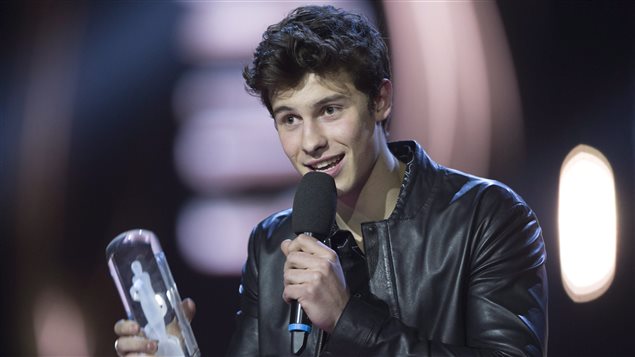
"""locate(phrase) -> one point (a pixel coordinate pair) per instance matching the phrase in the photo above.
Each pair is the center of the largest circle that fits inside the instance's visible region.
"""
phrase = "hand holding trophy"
(140, 271)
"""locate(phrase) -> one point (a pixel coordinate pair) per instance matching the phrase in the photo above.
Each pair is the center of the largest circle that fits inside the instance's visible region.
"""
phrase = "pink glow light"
(59, 327)
(213, 233)
(454, 82)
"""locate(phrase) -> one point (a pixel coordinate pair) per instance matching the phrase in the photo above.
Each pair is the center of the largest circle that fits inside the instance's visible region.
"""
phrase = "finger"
(126, 328)
(297, 292)
(290, 293)
(135, 344)
(313, 246)
(189, 308)
(302, 260)
(285, 246)
(297, 276)
(316, 272)
(309, 245)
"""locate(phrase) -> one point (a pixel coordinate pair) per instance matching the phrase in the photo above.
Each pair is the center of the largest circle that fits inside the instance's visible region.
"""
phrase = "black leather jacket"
(457, 269)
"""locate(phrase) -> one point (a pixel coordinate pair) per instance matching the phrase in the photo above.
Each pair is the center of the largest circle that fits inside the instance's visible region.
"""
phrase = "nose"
(313, 138)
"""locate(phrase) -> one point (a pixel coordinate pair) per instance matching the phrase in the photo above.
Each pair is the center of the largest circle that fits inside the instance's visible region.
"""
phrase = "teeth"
(328, 164)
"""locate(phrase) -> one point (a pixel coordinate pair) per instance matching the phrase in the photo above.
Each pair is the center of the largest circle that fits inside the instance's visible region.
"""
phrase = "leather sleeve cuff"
(356, 328)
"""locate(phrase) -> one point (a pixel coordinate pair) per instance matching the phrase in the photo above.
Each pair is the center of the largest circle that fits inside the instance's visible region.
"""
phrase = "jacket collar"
(419, 182)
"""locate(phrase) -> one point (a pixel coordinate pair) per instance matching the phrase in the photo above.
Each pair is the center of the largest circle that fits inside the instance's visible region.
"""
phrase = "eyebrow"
(318, 104)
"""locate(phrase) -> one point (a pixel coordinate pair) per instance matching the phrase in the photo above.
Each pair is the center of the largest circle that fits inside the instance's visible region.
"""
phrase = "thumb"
(189, 308)
(285, 246)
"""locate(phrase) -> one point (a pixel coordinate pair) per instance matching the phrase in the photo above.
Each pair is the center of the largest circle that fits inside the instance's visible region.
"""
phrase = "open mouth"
(327, 164)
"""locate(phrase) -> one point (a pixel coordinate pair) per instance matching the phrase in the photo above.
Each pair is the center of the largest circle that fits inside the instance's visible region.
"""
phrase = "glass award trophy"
(148, 292)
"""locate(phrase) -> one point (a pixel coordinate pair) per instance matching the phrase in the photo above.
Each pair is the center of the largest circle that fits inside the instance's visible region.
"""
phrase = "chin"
(342, 190)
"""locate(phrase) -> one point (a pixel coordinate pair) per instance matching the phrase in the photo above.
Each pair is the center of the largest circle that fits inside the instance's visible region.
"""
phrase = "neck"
(376, 199)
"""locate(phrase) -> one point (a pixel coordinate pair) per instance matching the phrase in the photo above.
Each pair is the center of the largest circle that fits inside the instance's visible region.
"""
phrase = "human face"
(324, 124)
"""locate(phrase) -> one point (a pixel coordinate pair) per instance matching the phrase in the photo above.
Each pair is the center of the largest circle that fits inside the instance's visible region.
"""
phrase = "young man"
(424, 260)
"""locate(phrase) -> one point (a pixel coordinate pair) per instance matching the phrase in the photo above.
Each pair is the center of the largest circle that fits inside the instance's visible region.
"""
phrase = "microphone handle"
(300, 328)
(299, 324)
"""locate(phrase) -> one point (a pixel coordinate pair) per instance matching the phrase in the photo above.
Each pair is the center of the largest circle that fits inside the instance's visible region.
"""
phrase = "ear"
(383, 101)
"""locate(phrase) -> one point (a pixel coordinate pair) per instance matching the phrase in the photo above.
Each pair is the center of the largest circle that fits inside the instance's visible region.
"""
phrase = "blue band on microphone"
(300, 327)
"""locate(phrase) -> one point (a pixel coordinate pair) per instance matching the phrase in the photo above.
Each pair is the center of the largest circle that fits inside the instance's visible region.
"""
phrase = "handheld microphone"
(313, 214)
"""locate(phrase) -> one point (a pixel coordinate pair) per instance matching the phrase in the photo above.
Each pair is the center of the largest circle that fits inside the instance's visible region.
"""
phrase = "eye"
(330, 110)
(288, 120)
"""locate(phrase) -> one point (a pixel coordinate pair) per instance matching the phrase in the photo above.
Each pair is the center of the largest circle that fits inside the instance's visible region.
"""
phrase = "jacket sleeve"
(244, 341)
(506, 296)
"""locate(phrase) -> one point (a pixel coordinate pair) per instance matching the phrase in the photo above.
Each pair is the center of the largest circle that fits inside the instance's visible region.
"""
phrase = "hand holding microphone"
(313, 277)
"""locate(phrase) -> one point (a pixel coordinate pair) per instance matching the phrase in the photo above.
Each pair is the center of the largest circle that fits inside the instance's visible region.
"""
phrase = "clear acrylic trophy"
(148, 292)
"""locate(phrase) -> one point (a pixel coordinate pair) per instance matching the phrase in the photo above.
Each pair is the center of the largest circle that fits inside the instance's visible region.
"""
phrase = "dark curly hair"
(321, 40)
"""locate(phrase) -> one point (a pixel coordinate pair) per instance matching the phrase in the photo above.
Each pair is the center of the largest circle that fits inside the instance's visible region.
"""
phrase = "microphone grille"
(314, 205)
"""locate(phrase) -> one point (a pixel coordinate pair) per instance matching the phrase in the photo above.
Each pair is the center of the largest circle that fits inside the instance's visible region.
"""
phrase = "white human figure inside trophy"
(154, 308)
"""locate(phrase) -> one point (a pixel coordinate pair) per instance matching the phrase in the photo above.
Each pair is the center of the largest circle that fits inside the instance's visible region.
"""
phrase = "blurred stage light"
(223, 151)
(60, 329)
(212, 234)
(587, 223)
(453, 57)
